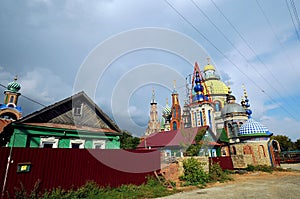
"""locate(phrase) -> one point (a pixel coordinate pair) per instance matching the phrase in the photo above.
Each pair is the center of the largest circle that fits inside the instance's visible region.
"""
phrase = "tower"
(10, 110)
(234, 116)
(176, 110)
(153, 124)
(202, 109)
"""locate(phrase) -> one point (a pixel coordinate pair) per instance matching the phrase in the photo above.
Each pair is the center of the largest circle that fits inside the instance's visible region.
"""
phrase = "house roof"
(61, 114)
(177, 137)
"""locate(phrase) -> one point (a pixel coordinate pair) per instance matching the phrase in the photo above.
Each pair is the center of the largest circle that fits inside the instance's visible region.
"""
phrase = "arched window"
(247, 150)
(174, 125)
(233, 150)
(261, 151)
(11, 100)
(217, 105)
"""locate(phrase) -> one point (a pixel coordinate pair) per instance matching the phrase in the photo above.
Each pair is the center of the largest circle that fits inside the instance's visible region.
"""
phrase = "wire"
(240, 53)
(226, 57)
(28, 98)
(252, 50)
(289, 9)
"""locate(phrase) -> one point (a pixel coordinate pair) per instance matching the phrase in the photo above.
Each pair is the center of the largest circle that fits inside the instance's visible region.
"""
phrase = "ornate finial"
(174, 84)
(153, 95)
(208, 60)
(16, 78)
(229, 89)
(245, 92)
(167, 103)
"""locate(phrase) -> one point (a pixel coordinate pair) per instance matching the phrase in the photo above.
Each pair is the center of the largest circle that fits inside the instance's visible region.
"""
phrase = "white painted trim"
(77, 141)
(102, 144)
(49, 140)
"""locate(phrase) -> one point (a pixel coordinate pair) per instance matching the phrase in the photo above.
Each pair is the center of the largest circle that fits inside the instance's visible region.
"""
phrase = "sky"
(118, 51)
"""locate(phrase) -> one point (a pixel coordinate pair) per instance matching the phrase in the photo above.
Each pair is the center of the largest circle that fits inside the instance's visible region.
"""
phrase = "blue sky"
(48, 44)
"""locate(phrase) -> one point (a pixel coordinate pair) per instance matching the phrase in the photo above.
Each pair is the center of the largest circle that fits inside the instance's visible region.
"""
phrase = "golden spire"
(229, 89)
(208, 60)
(174, 84)
(167, 101)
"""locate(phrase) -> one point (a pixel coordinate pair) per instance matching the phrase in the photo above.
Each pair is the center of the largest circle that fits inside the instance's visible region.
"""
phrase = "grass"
(91, 190)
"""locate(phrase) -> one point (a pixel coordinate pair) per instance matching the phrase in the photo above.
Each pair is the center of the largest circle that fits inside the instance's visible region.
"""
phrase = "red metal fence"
(225, 162)
(68, 168)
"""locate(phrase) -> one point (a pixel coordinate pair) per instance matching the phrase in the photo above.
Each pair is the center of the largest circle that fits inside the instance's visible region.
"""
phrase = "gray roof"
(232, 108)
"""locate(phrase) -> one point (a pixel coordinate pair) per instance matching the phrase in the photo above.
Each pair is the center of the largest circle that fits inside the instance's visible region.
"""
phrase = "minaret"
(176, 110)
(153, 124)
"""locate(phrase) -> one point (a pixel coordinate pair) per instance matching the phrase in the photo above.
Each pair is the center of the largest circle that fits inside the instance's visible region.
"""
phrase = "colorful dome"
(167, 110)
(215, 87)
(14, 86)
(209, 67)
(254, 128)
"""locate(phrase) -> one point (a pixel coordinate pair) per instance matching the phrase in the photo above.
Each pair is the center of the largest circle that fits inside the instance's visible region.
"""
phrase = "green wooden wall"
(24, 136)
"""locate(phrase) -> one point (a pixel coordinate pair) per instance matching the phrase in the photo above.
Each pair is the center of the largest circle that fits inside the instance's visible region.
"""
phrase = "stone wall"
(173, 171)
(250, 153)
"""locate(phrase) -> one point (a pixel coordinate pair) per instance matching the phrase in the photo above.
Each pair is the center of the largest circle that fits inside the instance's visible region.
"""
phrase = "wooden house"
(75, 122)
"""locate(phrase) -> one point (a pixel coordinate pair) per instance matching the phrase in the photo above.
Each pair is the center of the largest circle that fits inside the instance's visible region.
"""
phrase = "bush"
(217, 174)
(194, 173)
(263, 168)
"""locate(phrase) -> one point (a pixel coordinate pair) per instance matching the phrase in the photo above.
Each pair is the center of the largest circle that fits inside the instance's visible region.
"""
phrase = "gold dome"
(215, 87)
(209, 67)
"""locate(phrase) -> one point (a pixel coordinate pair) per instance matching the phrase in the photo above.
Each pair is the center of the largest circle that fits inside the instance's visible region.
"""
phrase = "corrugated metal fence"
(68, 168)
(224, 162)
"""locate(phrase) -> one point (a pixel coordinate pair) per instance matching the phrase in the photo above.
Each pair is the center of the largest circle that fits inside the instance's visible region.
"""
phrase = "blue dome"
(198, 88)
(254, 128)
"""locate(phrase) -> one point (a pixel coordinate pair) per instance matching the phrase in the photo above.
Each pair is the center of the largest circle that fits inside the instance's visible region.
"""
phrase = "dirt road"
(251, 185)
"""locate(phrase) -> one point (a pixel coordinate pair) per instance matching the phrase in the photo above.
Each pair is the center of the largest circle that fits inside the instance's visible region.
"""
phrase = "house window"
(77, 144)
(78, 109)
(99, 144)
(49, 142)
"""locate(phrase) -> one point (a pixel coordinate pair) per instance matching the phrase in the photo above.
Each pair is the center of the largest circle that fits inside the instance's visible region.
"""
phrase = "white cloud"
(44, 86)
(282, 126)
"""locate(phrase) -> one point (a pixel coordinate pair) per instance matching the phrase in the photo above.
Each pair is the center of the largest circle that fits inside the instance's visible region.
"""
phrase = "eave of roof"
(67, 127)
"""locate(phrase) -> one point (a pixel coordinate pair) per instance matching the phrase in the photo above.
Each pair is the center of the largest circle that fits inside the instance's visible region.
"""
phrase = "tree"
(297, 144)
(128, 141)
(285, 142)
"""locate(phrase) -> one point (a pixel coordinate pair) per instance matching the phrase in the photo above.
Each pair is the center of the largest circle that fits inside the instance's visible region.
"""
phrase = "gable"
(77, 110)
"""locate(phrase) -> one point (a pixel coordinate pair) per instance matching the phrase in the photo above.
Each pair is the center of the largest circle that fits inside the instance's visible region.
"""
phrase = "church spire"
(245, 103)
(176, 110)
(153, 97)
(153, 124)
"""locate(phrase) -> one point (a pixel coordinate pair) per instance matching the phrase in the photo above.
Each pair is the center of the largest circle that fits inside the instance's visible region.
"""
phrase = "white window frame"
(49, 140)
(99, 142)
(77, 141)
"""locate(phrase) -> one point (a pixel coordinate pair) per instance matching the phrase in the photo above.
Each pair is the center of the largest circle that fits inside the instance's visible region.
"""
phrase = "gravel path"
(252, 185)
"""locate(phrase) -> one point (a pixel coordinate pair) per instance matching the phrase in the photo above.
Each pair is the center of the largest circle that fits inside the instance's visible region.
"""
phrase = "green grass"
(91, 190)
